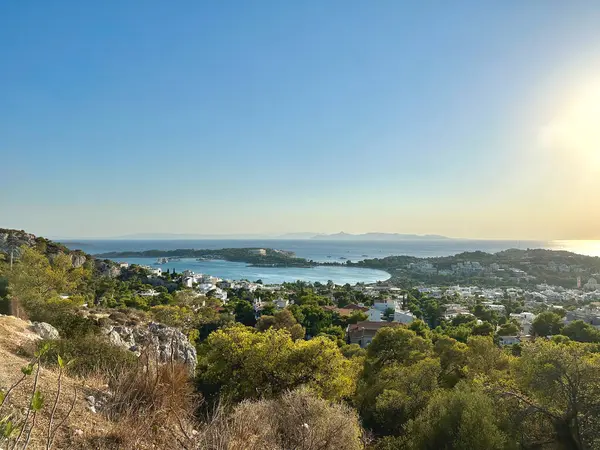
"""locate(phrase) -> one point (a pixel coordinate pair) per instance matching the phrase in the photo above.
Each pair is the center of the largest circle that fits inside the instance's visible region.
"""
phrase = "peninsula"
(266, 257)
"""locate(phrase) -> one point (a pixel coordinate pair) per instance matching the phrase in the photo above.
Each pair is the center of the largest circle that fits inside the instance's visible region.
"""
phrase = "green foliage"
(63, 315)
(484, 358)
(397, 394)
(461, 418)
(282, 320)
(353, 351)
(580, 331)
(312, 317)
(558, 388)
(37, 401)
(396, 345)
(508, 329)
(89, 355)
(453, 360)
(36, 279)
(243, 363)
(547, 324)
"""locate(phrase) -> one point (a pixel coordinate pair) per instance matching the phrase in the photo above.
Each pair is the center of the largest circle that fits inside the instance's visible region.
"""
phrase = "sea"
(317, 250)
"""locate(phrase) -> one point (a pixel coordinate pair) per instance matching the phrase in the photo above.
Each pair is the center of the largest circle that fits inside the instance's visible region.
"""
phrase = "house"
(375, 315)
(402, 316)
(149, 293)
(258, 251)
(525, 321)
(509, 340)
(455, 309)
(220, 294)
(124, 265)
(342, 311)
(205, 288)
(362, 333)
(282, 303)
(155, 271)
(356, 307)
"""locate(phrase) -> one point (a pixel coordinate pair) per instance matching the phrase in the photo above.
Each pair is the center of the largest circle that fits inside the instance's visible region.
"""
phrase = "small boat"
(329, 256)
(341, 257)
(364, 256)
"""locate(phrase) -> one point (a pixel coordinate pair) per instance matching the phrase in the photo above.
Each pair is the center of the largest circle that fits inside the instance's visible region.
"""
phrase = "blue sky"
(120, 117)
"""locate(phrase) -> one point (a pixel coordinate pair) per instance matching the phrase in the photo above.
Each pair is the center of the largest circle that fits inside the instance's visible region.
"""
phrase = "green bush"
(61, 314)
(91, 354)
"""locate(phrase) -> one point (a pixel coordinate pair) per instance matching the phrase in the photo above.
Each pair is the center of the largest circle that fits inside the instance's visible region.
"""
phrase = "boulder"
(78, 259)
(166, 343)
(115, 339)
(45, 330)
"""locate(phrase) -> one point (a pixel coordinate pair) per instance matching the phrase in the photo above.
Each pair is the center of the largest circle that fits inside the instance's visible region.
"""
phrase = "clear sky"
(465, 118)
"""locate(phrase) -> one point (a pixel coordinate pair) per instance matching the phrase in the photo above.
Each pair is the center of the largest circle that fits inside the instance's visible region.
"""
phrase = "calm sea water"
(319, 251)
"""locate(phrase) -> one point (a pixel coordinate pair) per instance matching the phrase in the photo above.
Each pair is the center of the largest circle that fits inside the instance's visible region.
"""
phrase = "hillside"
(82, 426)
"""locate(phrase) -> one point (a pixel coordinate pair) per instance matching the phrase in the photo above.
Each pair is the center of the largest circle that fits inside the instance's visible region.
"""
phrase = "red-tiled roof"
(367, 325)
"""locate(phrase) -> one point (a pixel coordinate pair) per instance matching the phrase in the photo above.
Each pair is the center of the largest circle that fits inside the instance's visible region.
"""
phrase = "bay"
(317, 250)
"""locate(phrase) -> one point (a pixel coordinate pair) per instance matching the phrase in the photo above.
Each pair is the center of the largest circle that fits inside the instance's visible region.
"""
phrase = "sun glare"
(576, 129)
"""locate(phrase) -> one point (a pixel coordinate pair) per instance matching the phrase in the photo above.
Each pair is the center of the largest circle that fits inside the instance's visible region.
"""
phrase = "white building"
(282, 303)
(509, 340)
(402, 316)
(375, 315)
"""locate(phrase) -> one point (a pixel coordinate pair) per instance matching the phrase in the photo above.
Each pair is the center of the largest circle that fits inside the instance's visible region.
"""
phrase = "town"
(362, 310)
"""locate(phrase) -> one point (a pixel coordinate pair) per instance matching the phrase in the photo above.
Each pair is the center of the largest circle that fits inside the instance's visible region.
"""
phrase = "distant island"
(264, 257)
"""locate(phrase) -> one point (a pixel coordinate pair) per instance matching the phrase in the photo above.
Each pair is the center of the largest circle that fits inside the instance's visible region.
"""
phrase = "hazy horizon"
(469, 120)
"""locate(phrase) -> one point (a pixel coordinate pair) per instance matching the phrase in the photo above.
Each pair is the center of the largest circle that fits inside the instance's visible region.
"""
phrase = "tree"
(282, 320)
(397, 394)
(547, 324)
(314, 319)
(580, 331)
(35, 279)
(388, 314)
(244, 313)
(558, 394)
(396, 345)
(483, 329)
(484, 357)
(508, 329)
(453, 360)
(241, 363)
(11, 246)
(461, 418)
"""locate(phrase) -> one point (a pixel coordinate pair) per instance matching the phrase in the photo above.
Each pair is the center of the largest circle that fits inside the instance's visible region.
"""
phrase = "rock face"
(107, 269)
(167, 343)
(11, 240)
(45, 330)
(78, 259)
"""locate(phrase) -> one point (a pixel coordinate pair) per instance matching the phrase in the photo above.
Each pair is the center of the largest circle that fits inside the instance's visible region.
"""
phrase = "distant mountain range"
(376, 237)
(291, 236)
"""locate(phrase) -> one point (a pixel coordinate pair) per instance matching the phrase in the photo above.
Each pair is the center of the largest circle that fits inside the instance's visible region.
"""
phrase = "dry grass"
(14, 334)
(153, 404)
(296, 421)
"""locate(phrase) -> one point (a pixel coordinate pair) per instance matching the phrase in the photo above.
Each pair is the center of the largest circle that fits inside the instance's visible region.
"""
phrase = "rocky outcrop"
(45, 330)
(166, 343)
(12, 240)
(107, 269)
(78, 259)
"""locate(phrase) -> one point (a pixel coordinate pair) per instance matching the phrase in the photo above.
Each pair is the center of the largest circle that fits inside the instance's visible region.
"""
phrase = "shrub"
(91, 354)
(152, 402)
(62, 314)
(296, 420)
